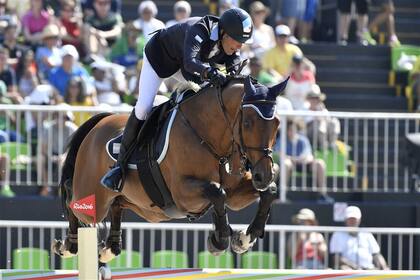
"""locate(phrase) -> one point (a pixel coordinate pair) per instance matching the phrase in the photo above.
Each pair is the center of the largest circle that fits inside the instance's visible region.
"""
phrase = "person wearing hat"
(147, 20)
(187, 51)
(355, 249)
(70, 67)
(182, 11)
(322, 131)
(48, 55)
(263, 35)
(307, 250)
(279, 58)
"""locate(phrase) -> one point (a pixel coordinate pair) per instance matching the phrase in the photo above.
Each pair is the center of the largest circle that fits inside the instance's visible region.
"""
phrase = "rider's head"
(236, 29)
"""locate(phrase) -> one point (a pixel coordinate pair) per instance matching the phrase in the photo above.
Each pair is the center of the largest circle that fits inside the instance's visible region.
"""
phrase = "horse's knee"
(215, 193)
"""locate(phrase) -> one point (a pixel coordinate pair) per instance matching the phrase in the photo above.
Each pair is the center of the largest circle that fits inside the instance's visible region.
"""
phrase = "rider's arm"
(194, 40)
(232, 63)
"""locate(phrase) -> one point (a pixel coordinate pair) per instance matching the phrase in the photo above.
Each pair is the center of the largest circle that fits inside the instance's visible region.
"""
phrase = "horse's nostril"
(257, 177)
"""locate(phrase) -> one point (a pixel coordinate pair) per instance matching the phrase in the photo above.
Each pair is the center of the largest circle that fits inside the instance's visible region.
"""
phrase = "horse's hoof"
(211, 247)
(105, 255)
(241, 242)
(104, 273)
(59, 248)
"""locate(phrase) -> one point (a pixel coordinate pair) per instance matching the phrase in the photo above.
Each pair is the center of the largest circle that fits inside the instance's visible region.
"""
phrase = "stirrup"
(113, 179)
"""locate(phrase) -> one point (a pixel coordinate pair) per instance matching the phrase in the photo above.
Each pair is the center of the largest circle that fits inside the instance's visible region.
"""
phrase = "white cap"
(41, 95)
(183, 5)
(147, 5)
(69, 50)
(305, 214)
(282, 30)
(353, 212)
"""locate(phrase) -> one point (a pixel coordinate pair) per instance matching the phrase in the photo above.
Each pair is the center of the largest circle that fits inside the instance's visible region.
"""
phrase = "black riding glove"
(216, 77)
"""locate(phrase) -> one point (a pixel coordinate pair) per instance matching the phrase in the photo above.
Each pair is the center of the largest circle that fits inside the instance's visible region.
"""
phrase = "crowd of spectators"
(349, 249)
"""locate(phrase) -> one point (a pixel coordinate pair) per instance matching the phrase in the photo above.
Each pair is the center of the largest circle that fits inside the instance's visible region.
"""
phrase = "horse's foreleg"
(218, 240)
(114, 240)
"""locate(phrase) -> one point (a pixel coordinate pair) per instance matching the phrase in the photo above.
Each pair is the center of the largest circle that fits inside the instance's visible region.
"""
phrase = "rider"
(185, 51)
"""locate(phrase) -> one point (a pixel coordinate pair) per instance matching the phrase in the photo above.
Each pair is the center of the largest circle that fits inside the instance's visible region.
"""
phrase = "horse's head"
(258, 130)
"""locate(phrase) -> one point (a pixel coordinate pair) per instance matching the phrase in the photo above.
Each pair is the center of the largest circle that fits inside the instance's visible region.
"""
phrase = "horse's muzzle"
(261, 180)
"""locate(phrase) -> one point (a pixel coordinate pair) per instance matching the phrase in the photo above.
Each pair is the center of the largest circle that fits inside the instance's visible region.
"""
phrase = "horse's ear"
(274, 91)
(249, 86)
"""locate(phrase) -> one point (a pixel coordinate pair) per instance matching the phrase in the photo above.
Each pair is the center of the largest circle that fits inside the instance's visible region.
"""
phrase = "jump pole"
(88, 253)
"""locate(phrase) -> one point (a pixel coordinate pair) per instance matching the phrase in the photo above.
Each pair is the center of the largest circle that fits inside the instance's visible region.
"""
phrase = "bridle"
(226, 160)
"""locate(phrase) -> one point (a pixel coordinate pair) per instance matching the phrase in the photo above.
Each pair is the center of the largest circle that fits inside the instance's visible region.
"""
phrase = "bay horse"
(215, 131)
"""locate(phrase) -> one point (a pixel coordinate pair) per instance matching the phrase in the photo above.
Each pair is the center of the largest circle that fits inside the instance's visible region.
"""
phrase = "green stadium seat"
(169, 259)
(30, 258)
(207, 260)
(18, 154)
(69, 263)
(121, 260)
(257, 260)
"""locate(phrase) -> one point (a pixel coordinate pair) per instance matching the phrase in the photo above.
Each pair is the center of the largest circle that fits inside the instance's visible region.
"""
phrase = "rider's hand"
(216, 77)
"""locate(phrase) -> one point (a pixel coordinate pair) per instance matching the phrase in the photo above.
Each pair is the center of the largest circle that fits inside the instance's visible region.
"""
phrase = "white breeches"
(149, 84)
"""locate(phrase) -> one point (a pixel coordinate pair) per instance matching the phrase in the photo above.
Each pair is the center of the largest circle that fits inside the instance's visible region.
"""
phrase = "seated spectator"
(322, 131)
(263, 35)
(225, 5)
(48, 55)
(34, 22)
(147, 20)
(108, 89)
(101, 29)
(292, 12)
(128, 49)
(89, 10)
(8, 124)
(300, 83)
(8, 76)
(278, 60)
(5, 190)
(356, 250)
(299, 157)
(261, 75)
(414, 83)
(59, 76)
(57, 129)
(71, 24)
(27, 74)
(182, 11)
(307, 250)
(16, 50)
(386, 15)
(77, 95)
(7, 17)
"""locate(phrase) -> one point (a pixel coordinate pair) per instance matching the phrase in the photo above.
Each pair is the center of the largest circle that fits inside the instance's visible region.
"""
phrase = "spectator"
(261, 75)
(299, 157)
(77, 95)
(300, 83)
(107, 88)
(414, 82)
(363, 35)
(306, 24)
(128, 49)
(18, 8)
(6, 17)
(147, 19)
(71, 24)
(307, 250)
(8, 129)
(89, 10)
(59, 76)
(57, 129)
(292, 12)
(5, 190)
(101, 29)
(225, 5)
(34, 22)
(16, 50)
(26, 73)
(8, 76)
(356, 250)
(386, 15)
(48, 55)
(182, 11)
(278, 60)
(322, 131)
(263, 35)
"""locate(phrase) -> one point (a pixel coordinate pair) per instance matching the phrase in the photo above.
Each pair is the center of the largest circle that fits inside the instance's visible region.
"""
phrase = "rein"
(242, 148)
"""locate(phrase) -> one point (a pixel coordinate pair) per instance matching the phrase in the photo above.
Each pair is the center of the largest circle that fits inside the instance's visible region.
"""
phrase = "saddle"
(152, 144)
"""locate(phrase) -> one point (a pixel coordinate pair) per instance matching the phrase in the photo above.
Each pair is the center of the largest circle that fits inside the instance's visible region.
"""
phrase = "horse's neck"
(206, 115)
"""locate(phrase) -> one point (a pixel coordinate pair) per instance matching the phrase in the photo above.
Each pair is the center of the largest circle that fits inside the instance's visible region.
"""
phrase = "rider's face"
(230, 46)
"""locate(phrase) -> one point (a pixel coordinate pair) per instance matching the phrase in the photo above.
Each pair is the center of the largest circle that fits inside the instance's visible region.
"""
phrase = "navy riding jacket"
(191, 46)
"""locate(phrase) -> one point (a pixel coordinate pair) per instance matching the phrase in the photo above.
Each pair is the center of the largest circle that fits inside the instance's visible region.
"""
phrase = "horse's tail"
(72, 149)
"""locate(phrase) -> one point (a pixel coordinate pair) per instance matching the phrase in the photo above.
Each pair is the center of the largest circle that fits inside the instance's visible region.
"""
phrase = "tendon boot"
(114, 178)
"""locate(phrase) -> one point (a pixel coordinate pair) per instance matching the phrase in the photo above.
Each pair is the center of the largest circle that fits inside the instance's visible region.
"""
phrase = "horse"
(219, 155)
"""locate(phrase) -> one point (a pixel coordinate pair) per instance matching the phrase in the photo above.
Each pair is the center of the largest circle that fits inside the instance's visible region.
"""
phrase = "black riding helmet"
(237, 24)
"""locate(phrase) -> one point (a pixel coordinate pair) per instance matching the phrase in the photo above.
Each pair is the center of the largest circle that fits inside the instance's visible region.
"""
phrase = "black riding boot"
(113, 179)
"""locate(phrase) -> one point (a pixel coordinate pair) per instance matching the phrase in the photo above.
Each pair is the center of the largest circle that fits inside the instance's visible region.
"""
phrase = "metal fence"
(352, 151)
(399, 246)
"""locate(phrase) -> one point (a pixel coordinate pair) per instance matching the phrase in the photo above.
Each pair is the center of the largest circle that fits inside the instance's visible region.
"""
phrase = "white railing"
(399, 246)
(367, 156)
